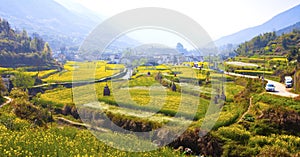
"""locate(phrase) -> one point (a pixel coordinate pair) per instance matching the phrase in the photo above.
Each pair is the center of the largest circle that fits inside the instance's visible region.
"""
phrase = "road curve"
(281, 90)
(279, 87)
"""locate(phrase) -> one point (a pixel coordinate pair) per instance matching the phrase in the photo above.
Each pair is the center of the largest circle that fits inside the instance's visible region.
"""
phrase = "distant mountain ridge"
(52, 21)
(289, 29)
(58, 25)
(278, 22)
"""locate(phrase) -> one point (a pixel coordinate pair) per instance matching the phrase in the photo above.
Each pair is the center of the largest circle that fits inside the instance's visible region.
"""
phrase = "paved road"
(242, 64)
(128, 74)
(9, 100)
(281, 90)
(279, 87)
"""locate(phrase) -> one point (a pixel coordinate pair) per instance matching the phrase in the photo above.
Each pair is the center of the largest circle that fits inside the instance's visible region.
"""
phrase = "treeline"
(272, 44)
(19, 49)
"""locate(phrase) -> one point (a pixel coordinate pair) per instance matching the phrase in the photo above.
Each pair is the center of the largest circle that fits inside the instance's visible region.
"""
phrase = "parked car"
(270, 87)
(288, 81)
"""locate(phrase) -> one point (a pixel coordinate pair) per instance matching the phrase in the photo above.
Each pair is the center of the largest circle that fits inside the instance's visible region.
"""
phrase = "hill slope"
(17, 49)
(272, 44)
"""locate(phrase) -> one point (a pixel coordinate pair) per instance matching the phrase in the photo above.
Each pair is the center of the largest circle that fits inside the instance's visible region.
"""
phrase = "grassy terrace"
(144, 93)
(85, 71)
(40, 74)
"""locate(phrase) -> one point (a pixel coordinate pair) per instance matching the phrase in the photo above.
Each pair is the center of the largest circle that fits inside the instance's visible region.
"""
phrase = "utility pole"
(295, 76)
(264, 67)
(263, 78)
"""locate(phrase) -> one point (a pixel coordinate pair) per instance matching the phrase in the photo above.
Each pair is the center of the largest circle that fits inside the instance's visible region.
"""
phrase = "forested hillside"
(272, 44)
(18, 49)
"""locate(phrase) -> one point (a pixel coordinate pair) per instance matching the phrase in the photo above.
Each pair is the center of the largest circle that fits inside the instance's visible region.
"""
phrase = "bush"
(249, 118)
(258, 141)
(11, 122)
(275, 151)
(24, 109)
(234, 132)
(70, 109)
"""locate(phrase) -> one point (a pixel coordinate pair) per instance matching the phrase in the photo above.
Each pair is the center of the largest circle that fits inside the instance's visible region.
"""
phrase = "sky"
(218, 17)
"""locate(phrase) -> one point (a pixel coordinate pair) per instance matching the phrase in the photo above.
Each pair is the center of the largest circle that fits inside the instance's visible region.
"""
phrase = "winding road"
(279, 87)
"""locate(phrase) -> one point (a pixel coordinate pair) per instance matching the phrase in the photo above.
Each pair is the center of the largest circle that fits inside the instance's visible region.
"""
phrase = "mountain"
(61, 22)
(278, 22)
(56, 24)
(80, 10)
(289, 29)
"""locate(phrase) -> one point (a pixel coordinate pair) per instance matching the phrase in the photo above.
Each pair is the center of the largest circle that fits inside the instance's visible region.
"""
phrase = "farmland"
(146, 100)
(86, 71)
(146, 94)
(272, 67)
(20, 138)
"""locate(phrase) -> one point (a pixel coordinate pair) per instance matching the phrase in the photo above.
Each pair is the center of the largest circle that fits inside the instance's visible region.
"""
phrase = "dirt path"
(279, 87)
(80, 125)
(9, 100)
(250, 105)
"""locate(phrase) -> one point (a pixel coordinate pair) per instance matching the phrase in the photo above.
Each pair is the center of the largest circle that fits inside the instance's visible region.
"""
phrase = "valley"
(150, 100)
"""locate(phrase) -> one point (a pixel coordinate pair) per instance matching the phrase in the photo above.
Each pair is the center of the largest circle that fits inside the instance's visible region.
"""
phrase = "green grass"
(41, 74)
(257, 136)
(188, 72)
(278, 100)
(153, 69)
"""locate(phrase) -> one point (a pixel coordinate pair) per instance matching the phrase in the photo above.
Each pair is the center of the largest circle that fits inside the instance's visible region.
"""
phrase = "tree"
(22, 80)
(47, 53)
(207, 76)
(2, 86)
(18, 49)
(2, 89)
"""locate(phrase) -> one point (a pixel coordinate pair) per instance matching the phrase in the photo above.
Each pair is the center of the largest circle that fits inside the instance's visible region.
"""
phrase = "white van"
(288, 81)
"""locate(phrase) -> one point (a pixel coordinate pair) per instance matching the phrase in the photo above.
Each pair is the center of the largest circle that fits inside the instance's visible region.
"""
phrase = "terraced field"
(84, 71)
(143, 93)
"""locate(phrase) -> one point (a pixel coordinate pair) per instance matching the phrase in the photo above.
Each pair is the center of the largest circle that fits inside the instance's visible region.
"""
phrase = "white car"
(270, 87)
(288, 81)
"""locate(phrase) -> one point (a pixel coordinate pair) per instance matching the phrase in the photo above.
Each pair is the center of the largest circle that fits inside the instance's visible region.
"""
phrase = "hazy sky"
(218, 17)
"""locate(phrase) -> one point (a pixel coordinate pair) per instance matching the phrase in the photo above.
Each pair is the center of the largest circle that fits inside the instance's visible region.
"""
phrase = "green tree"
(2, 86)
(22, 80)
(2, 89)
(47, 53)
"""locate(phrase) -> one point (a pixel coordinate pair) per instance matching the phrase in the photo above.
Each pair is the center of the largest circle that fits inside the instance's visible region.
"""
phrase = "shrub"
(263, 129)
(235, 133)
(275, 151)
(249, 118)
